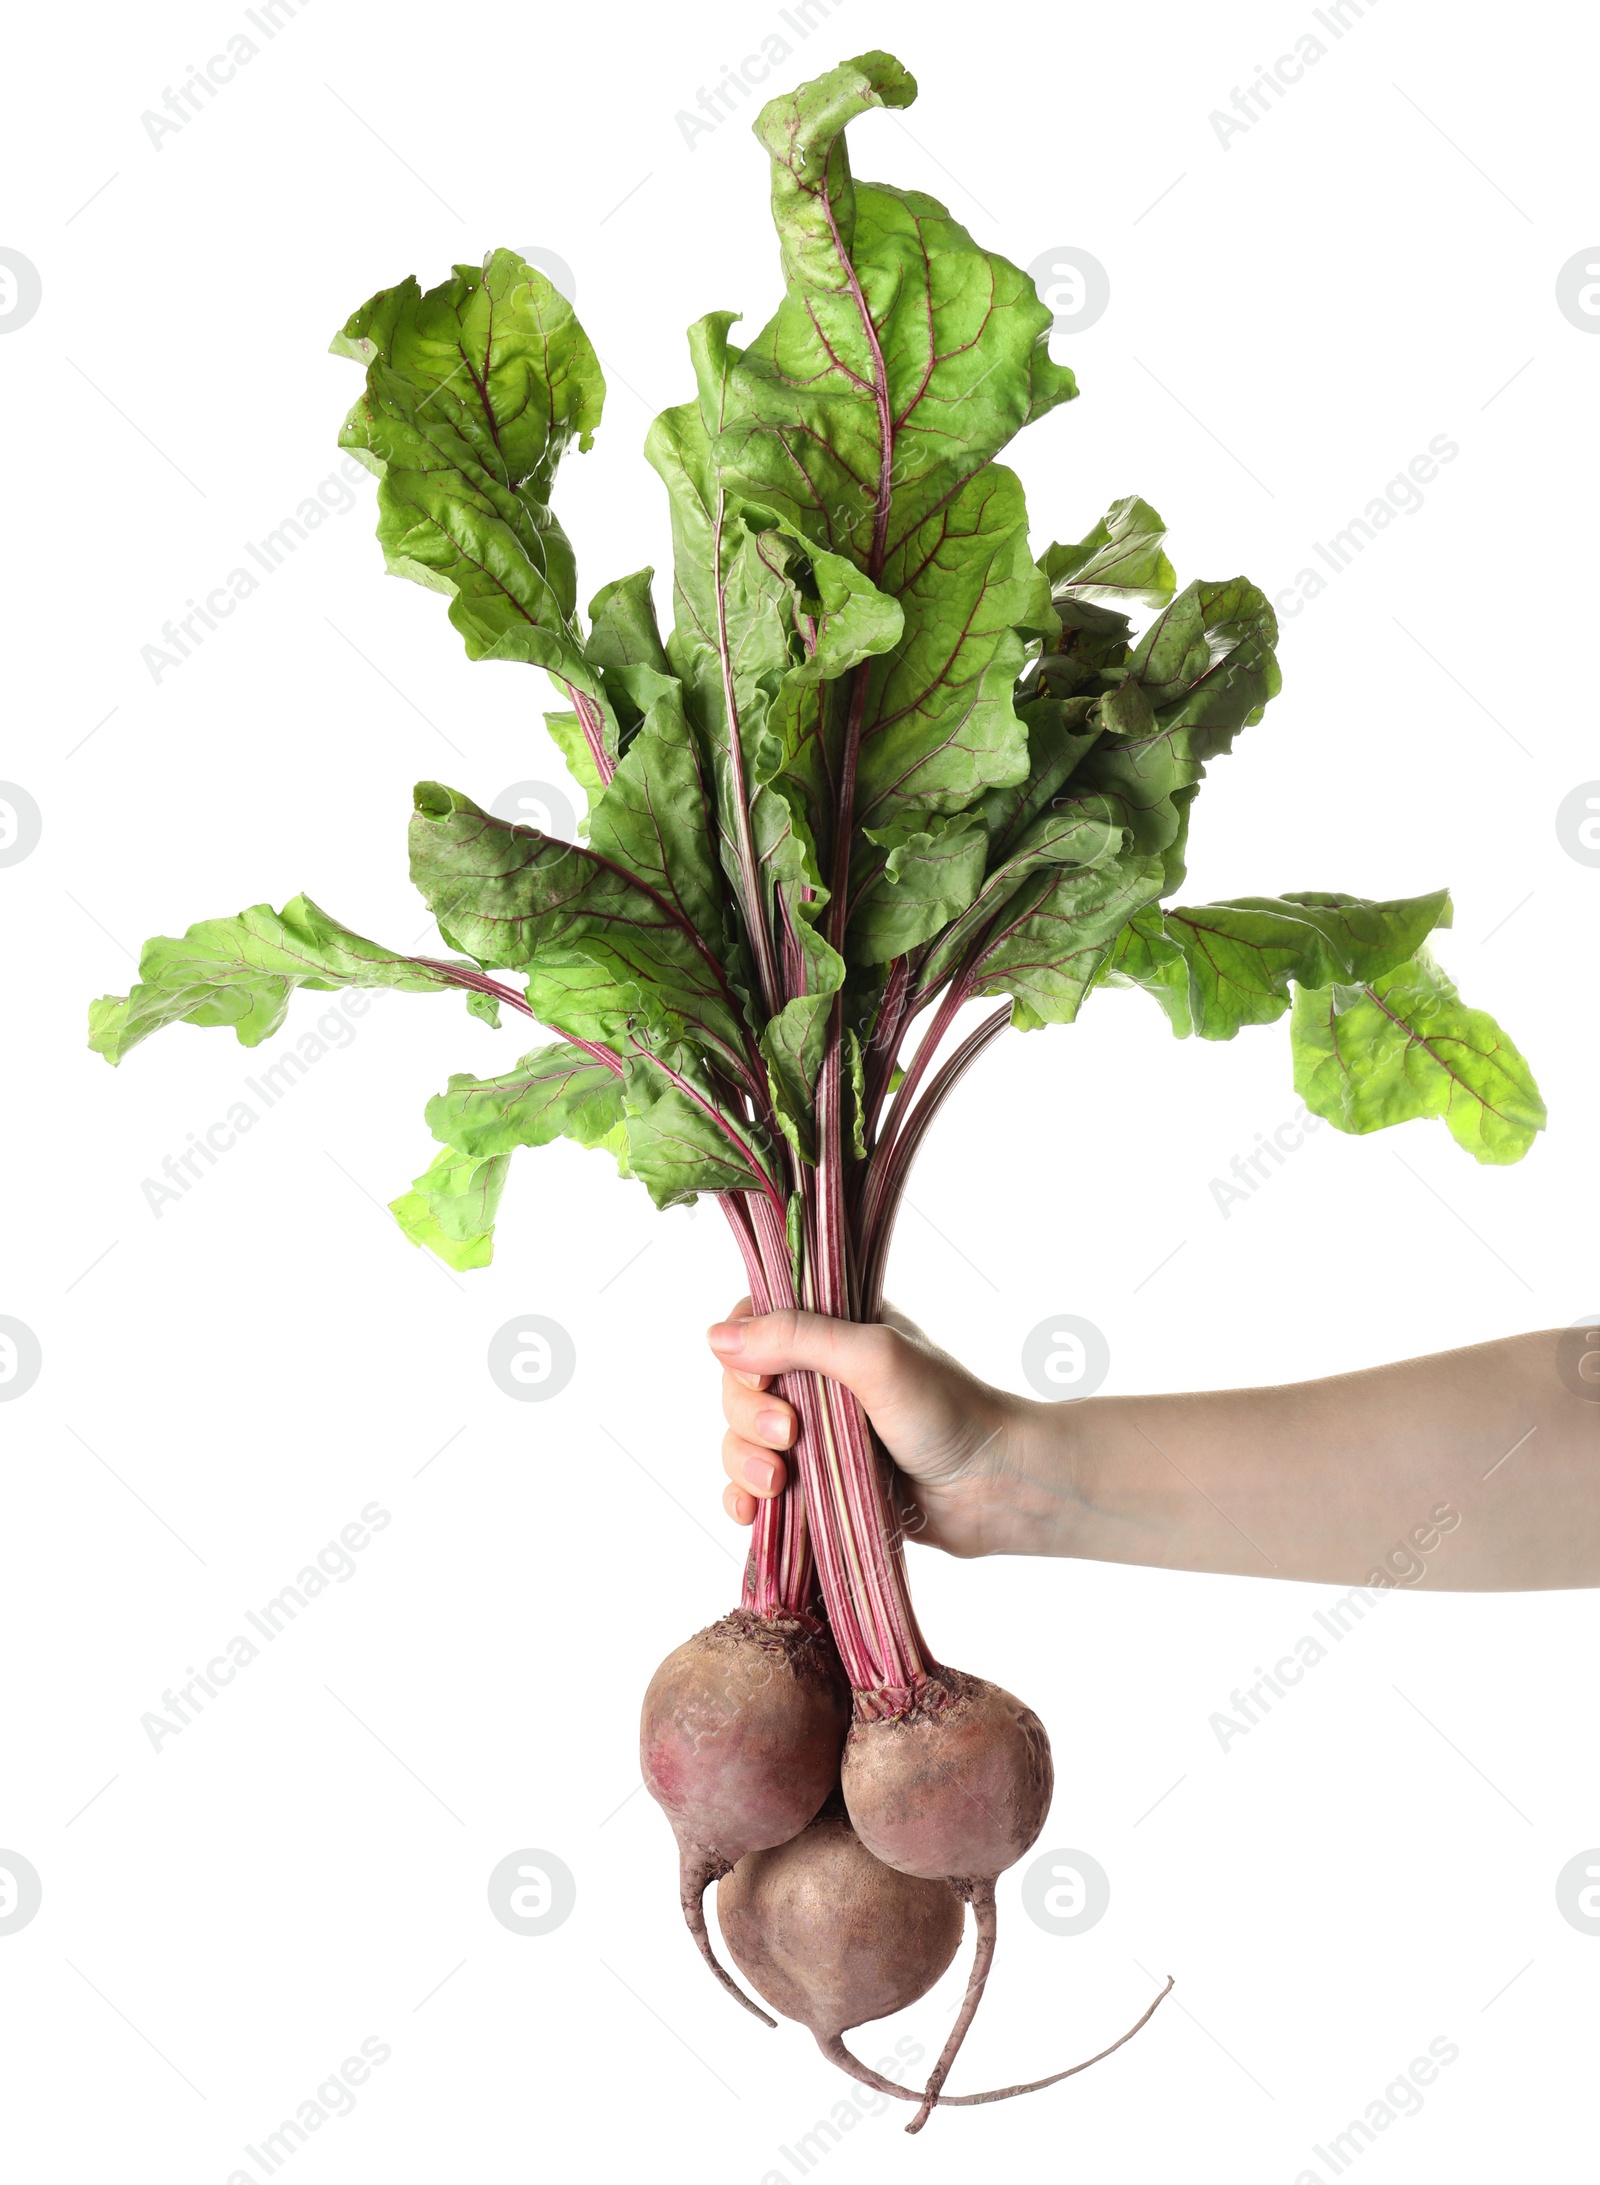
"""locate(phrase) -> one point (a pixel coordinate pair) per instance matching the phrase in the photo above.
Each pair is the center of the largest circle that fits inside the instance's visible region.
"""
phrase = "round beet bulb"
(739, 1744)
(832, 1937)
(956, 1789)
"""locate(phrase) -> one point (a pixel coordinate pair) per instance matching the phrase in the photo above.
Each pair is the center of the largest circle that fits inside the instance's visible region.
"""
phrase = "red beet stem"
(850, 1524)
(891, 1161)
(779, 1573)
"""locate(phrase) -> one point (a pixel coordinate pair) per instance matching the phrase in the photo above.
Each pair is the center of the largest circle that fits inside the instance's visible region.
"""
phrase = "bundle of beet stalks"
(886, 763)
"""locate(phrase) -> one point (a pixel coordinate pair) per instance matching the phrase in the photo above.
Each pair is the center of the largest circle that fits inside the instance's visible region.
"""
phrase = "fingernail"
(759, 1473)
(773, 1426)
(726, 1339)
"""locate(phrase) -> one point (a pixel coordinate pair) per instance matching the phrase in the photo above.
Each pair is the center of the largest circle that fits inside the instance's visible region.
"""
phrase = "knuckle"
(878, 1349)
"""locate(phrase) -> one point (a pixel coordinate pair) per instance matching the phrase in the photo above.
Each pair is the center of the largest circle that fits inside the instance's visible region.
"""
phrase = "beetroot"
(832, 1938)
(739, 1742)
(955, 1789)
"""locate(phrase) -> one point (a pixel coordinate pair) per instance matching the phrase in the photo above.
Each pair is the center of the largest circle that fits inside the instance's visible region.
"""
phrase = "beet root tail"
(834, 2049)
(832, 2046)
(1035, 2086)
(696, 1873)
(982, 1958)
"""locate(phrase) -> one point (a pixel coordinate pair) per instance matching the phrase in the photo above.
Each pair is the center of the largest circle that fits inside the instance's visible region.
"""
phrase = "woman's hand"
(1474, 1471)
(959, 1446)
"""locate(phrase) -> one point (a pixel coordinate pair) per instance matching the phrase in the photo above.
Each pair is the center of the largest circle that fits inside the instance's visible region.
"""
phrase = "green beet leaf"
(474, 390)
(242, 971)
(872, 757)
(1406, 1045)
(556, 1092)
(1121, 562)
(1218, 966)
(451, 1207)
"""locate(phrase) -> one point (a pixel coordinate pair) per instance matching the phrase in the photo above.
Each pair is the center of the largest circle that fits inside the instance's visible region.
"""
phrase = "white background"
(1372, 264)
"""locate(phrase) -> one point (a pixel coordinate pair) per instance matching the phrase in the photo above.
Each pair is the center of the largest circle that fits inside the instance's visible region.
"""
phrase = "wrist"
(1038, 1506)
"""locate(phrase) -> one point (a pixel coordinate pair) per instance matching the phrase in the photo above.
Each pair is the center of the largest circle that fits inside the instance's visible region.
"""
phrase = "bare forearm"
(1472, 1470)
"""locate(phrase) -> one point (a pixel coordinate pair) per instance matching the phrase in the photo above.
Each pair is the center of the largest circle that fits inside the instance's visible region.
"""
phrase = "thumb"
(864, 1359)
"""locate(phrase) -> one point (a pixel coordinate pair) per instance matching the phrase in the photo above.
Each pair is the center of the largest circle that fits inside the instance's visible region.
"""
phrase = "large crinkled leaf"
(1217, 966)
(509, 895)
(1087, 653)
(868, 413)
(450, 1210)
(668, 1130)
(474, 389)
(624, 641)
(939, 725)
(1068, 835)
(1052, 943)
(737, 632)
(1204, 669)
(926, 878)
(767, 621)
(1406, 1045)
(681, 1141)
(1144, 772)
(1060, 731)
(554, 1092)
(1206, 664)
(792, 1045)
(242, 971)
(836, 620)
(580, 998)
(902, 358)
(654, 819)
(570, 738)
(763, 620)
(1122, 561)
(494, 354)
(622, 625)
(840, 616)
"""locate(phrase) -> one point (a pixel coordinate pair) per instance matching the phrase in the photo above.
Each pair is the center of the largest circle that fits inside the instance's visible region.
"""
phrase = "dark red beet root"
(832, 1937)
(739, 1745)
(957, 1789)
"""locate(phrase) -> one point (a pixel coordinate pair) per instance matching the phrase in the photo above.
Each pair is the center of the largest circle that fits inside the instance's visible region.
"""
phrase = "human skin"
(1338, 1481)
